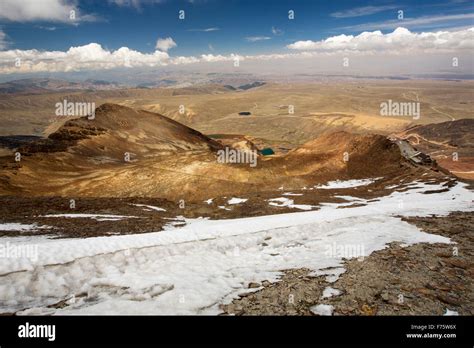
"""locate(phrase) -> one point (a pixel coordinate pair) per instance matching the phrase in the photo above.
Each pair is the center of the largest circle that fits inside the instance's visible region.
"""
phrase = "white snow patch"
(330, 292)
(98, 217)
(195, 268)
(181, 221)
(350, 198)
(235, 200)
(291, 194)
(450, 312)
(281, 202)
(302, 206)
(152, 207)
(339, 184)
(19, 227)
(209, 201)
(286, 202)
(322, 309)
(332, 274)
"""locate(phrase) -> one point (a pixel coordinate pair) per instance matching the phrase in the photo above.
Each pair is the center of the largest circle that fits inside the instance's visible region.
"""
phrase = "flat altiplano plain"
(293, 112)
(297, 113)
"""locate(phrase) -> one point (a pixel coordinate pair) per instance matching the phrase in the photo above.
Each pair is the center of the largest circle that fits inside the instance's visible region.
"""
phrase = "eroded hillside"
(124, 152)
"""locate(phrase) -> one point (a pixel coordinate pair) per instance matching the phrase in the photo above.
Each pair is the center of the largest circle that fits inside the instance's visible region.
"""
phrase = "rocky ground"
(34, 210)
(422, 279)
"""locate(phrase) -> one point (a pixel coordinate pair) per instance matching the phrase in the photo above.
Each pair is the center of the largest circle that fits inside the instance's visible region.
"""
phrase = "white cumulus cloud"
(165, 44)
(43, 10)
(89, 57)
(400, 40)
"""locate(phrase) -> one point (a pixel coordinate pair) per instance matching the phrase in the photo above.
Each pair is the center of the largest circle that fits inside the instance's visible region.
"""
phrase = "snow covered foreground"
(193, 269)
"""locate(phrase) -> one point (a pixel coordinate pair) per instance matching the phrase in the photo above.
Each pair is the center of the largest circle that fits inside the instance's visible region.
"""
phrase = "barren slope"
(167, 159)
(451, 143)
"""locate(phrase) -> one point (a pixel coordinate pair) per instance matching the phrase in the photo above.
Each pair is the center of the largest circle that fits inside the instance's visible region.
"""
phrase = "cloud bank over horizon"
(95, 57)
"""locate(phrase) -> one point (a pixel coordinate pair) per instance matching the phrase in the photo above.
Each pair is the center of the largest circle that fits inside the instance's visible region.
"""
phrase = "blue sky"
(138, 25)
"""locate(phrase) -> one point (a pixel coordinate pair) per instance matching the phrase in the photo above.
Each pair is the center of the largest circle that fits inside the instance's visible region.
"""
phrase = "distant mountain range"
(45, 85)
(246, 86)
